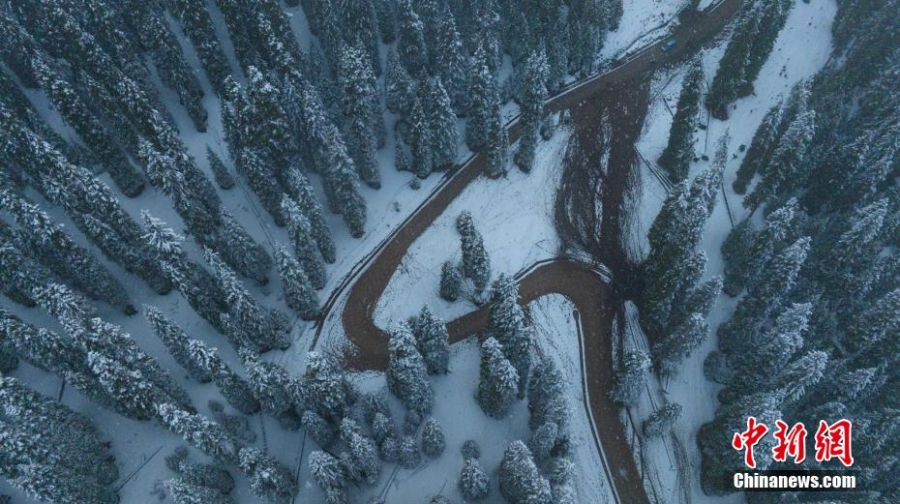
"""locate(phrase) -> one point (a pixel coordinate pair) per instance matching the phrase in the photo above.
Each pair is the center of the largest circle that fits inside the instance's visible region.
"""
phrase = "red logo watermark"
(832, 441)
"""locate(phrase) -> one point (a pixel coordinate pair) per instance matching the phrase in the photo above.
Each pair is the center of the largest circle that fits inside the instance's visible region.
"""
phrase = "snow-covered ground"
(642, 21)
(557, 335)
(515, 217)
(802, 49)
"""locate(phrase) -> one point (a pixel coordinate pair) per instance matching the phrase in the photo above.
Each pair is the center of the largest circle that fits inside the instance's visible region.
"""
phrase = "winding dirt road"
(621, 91)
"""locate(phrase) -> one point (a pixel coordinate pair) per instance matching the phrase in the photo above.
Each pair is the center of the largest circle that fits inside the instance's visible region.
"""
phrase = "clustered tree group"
(101, 103)
(813, 335)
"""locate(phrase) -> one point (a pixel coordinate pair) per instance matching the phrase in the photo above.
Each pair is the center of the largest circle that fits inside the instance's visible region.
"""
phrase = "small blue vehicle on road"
(668, 45)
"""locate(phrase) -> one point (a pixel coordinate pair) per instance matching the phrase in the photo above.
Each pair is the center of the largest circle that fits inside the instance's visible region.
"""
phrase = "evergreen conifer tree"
(662, 420)
(451, 282)
(476, 263)
(271, 385)
(302, 192)
(361, 462)
(534, 91)
(299, 293)
(484, 99)
(507, 325)
(361, 113)
(433, 442)
(407, 373)
(520, 480)
(269, 479)
(304, 244)
(676, 158)
(498, 380)
(432, 341)
(176, 341)
(474, 482)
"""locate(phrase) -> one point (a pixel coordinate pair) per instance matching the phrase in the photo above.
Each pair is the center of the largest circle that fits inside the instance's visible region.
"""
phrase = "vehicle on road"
(668, 45)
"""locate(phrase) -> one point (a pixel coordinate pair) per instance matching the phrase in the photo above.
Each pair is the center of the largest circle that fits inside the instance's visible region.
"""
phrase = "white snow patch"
(515, 217)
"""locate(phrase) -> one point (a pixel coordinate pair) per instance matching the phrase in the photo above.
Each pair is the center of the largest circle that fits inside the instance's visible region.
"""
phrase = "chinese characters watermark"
(832, 441)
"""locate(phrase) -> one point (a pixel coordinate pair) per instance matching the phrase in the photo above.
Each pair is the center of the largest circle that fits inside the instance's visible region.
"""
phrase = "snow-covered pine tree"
(261, 179)
(199, 431)
(304, 244)
(194, 282)
(176, 342)
(411, 46)
(183, 492)
(134, 396)
(433, 441)
(399, 86)
(299, 294)
(747, 251)
(56, 250)
(449, 62)
(20, 278)
(303, 194)
(89, 128)
(249, 323)
(72, 440)
(324, 388)
(156, 39)
(753, 40)
(361, 109)
(361, 463)
(497, 145)
(419, 135)
(327, 471)
(204, 475)
(476, 263)
(674, 266)
(661, 420)
(387, 20)
(767, 296)
(498, 381)
(451, 282)
(441, 124)
(359, 23)
(30, 467)
(630, 378)
(220, 173)
(785, 167)
(269, 478)
(542, 441)
(432, 341)
(679, 344)
(534, 91)
(271, 385)
(341, 183)
(484, 99)
(238, 249)
(676, 158)
(546, 395)
(197, 25)
(408, 454)
(520, 480)
(474, 483)
(318, 428)
(234, 389)
(407, 374)
(507, 325)
(52, 352)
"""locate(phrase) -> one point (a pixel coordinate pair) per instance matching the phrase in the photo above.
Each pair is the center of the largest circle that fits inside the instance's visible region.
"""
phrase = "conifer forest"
(449, 251)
